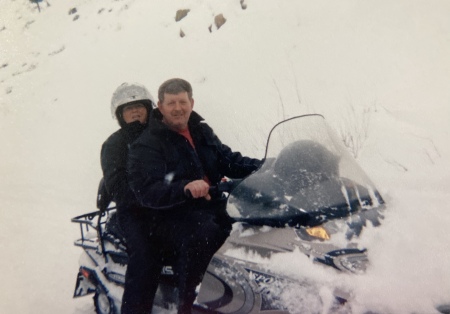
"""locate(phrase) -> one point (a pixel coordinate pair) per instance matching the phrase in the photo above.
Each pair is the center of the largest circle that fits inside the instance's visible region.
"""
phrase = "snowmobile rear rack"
(87, 221)
(94, 221)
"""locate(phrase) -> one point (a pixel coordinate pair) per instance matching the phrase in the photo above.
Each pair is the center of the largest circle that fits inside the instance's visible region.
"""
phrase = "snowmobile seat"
(113, 232)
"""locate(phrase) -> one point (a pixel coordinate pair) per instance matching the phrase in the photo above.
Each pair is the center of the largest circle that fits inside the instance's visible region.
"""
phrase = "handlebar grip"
(212, 189)
(226, 186)
(188, 194)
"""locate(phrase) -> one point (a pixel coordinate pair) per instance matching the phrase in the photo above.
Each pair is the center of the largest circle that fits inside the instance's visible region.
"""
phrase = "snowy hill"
(378, 71)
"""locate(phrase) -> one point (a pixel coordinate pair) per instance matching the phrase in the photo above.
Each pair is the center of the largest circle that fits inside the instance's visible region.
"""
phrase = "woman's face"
(134, 112)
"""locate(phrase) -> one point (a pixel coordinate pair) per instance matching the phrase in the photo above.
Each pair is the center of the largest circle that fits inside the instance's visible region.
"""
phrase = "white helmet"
(128, 93)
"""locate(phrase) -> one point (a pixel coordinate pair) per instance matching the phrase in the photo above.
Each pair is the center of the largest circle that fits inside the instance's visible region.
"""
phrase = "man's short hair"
(174, 86)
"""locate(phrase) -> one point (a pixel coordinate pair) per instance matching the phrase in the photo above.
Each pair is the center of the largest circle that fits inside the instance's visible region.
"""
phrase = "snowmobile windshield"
(308, 176)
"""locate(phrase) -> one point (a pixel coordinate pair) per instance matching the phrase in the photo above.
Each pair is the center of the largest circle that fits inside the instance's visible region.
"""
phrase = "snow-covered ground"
(378, 69)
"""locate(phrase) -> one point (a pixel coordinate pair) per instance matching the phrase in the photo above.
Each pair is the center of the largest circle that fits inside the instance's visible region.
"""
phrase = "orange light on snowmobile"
(85, 273)
(318, 232)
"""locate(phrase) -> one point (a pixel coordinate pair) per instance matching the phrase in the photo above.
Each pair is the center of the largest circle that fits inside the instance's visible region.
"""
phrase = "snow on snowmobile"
(309, 196)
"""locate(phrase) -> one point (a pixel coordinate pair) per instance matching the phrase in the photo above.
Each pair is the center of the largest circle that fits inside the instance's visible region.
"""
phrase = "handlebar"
(223, 187)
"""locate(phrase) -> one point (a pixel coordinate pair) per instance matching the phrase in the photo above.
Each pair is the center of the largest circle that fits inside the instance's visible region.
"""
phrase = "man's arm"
(152, 186)
(233, 164)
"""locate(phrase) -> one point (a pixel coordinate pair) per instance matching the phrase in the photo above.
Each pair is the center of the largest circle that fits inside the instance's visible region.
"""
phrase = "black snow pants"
(187, 240)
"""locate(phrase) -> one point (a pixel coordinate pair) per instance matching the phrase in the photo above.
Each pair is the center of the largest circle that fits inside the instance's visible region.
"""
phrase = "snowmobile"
(309, 199)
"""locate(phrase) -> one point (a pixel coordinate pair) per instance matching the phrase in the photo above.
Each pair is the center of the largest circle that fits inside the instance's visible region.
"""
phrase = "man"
(178, 153)
(131, 105)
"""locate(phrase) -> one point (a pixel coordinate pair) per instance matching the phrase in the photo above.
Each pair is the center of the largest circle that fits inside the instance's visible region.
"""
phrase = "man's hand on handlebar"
(197, 189)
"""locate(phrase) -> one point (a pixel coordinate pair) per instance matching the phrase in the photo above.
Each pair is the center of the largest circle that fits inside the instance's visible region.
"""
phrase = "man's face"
(176, 110)
(134, 112)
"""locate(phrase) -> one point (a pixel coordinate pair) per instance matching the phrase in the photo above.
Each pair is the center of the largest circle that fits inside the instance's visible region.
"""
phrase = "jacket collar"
(132, 130)
(155, 120)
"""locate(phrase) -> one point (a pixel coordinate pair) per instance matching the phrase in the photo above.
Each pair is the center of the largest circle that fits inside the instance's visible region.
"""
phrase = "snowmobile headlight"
(318, 232)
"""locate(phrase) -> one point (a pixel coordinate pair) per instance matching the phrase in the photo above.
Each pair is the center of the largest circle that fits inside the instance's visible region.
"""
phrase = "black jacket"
(113, 159)
(161, 162)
